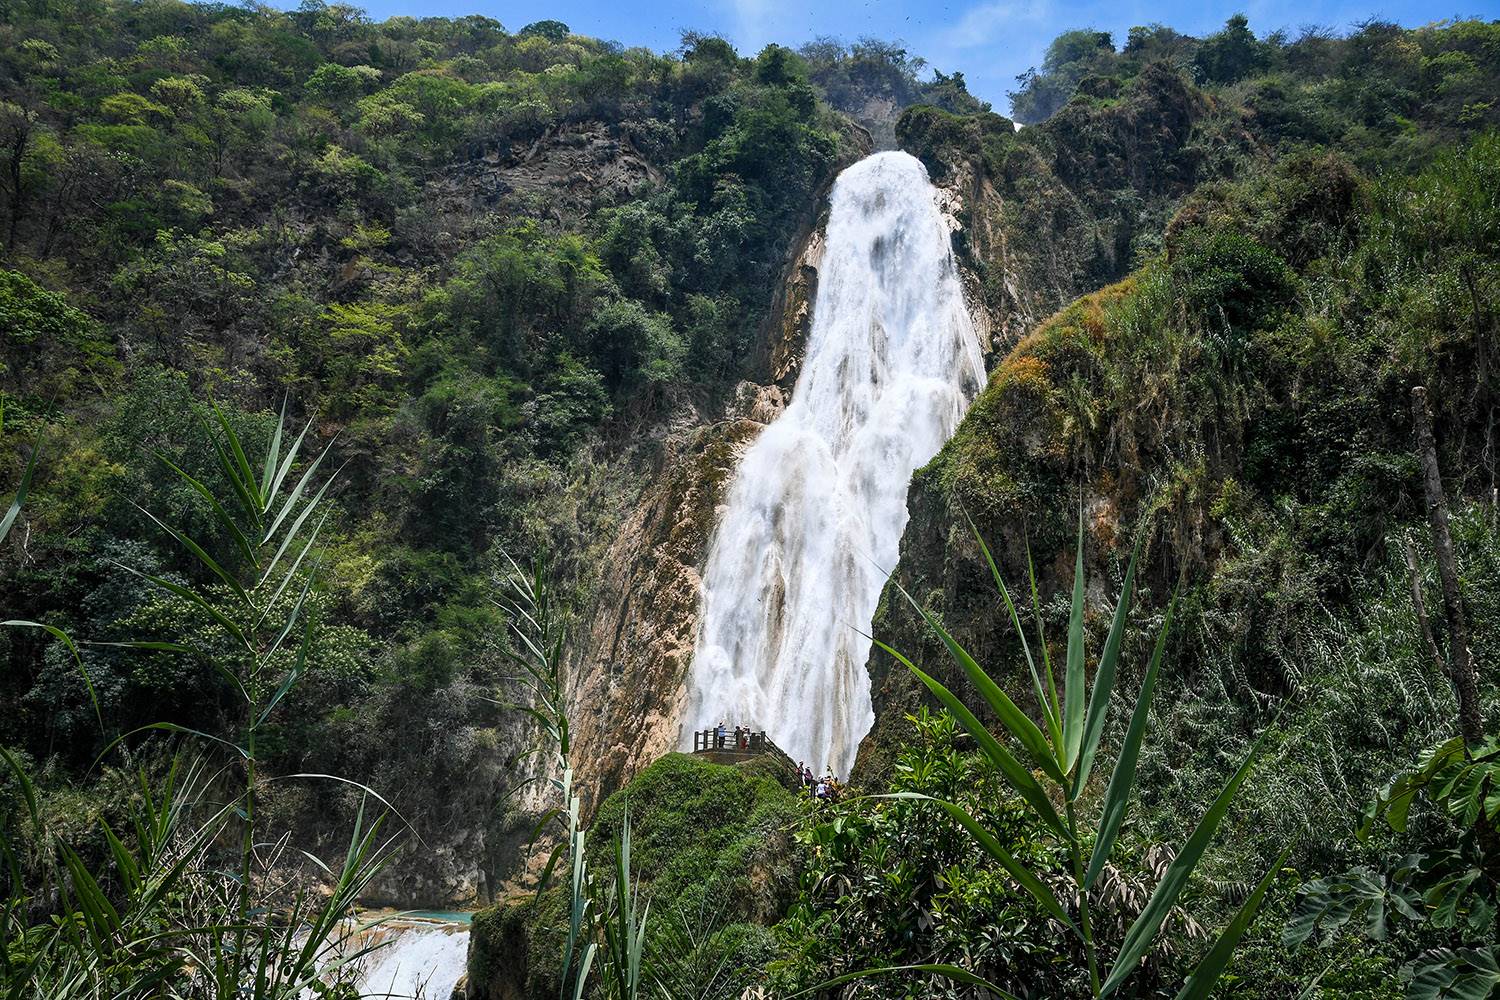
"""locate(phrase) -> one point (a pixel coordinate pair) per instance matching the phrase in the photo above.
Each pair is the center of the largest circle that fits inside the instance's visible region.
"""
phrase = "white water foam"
(815, 515)
(416, 960)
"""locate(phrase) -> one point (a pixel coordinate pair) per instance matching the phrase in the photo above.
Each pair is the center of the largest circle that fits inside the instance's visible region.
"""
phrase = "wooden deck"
(747, 746)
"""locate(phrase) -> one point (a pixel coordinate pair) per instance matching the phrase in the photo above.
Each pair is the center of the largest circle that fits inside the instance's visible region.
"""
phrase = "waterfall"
(814, 517)
(422, 962)
(415, 959)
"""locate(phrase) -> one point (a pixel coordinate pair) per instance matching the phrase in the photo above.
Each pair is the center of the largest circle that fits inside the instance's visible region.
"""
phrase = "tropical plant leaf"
(274, 489)
(1041, 640)
(273, 451)
(1142, 932)
(220, 514)
(1201, 983)
(19, 500)
(1328, 904)
(28, 790)
(1014, 720)
(246, 475)
(1104, 679)
(200, 554)
(194, 597)
(296, 527)
(1467, 974)
(170, 727)
(292, 675)
(1395, 800)
(1076, 676)
(1014, 773)
(295, 495)
(1049, 706)
(1122, 781)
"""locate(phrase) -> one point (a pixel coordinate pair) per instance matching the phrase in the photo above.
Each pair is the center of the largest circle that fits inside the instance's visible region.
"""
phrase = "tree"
(553, 31)
(636, 348)
(1231, 54)
(45, 343)
(1460, 645)
(17, 125)
(1071, 56)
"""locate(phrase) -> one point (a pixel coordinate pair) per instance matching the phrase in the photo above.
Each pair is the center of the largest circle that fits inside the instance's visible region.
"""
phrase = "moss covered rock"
(710, 843)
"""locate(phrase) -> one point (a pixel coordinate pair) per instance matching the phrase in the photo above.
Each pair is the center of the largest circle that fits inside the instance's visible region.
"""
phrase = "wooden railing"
(746, 742)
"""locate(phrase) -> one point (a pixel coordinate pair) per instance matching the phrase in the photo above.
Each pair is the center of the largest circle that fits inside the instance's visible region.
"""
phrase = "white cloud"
(755, 22)
(984, 23)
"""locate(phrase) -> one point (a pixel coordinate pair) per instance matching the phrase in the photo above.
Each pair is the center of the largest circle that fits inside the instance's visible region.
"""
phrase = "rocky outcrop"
(572, 169)
(792, 310)
(705, 839)
(627, 677)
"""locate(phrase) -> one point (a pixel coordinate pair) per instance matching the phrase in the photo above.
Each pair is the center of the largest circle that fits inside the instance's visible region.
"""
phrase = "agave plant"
(1056, 759)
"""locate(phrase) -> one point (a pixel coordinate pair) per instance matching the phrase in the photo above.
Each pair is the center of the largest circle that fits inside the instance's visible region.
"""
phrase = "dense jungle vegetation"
(492, 270)
(1242, 401)
(478, 257)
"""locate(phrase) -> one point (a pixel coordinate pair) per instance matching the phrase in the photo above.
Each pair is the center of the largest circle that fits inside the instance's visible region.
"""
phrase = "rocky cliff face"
(627, 678)
(627, 673)
(572, 169)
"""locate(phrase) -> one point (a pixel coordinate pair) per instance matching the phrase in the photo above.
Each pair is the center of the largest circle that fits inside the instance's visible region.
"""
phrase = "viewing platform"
(736, 748)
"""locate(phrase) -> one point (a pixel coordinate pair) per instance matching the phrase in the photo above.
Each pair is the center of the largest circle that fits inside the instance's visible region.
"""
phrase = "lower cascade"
(419, 960)
(814, 517)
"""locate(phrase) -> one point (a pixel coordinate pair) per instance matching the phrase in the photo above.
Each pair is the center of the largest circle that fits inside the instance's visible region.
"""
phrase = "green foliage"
(707, 837)
(47, 347)
(850, 75)
(161, 916)
(1063, 754)
(385, 222)
(1451, 886)
(1231, 54)
(1232, 279)
(1070, 57)
(1463, 781)
(1381, 90)
(637, 347)
(1362, 895)
(892, 881)
(179, 915)
(1470, 973)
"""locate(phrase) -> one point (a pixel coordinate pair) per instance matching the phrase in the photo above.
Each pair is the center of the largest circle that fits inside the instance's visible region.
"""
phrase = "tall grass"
(172, 911)
(604, 952)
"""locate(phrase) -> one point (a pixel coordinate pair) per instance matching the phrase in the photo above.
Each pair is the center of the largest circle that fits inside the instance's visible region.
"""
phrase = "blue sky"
(989, 40)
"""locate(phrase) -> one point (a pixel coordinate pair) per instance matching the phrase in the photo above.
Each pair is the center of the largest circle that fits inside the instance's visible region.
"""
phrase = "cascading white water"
(415, 959)
(419, 961)
(815, 515)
